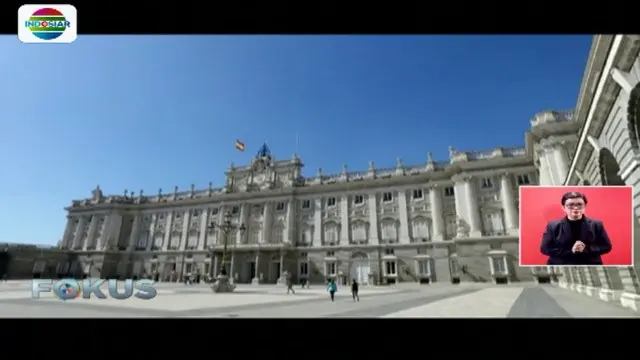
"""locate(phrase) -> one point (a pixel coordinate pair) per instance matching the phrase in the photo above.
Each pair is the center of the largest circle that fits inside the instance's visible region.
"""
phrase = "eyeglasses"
(574, 206)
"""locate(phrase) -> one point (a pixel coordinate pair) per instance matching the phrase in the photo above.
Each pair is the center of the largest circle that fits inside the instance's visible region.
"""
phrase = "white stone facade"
(434, 222)
(605, 151)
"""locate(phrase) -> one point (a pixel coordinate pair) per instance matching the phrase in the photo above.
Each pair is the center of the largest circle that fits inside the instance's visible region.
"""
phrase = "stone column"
(268, 220)
(508, 204)
(435, 197)
(344, 220)
(256, 272)
(562, 162)
(232, 267)
(214, 264)
(167, 231)
(373, 220)
(472, 209)
(152, 232)
(77, 239)
(184, 232)
(135, 233)
(290, 233)
(93, 227)
(546, 177)
(404, 217)
(317, 222)
(67, 239)
(280, 276)
(204, 228)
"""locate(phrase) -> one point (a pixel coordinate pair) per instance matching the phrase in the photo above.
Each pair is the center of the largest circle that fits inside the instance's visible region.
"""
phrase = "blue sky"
(149, 112)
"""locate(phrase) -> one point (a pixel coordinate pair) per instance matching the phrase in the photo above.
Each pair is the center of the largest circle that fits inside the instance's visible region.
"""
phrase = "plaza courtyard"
(438, 300)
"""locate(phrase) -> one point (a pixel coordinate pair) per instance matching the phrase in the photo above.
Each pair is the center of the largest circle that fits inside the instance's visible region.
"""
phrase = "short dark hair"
(573, 195)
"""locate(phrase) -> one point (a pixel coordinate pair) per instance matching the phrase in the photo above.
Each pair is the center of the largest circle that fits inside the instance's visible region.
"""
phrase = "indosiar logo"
(47, 23)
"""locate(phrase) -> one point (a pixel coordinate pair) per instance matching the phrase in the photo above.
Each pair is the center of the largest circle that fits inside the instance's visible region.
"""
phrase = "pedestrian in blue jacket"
(333, 287)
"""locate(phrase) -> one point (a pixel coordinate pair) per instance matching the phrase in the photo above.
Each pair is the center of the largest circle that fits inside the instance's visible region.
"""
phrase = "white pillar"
(435, 197)
(184, 232)
(77, 239)
(67, 239)
(91, 234)
(373, 220)
(151, 233)
(562, 162)
(281, 266)
(344, 220)
(472, 208)
(167, 231)
(204, 227)
(317, 223)
(256, 272)
(508, 204)
(135, 233)
(404, 217)
(545, 178)
(266, 226)
(290, 233)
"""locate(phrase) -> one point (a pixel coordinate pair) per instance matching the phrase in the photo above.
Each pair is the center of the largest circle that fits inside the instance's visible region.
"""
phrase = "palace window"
(493, 223)
(306, 204)
(214, 211)
(389, 252)
(487, 183)
(278, 235)
(523, 179)
(330, 253)
(424, 268)
(420, 229)
(358, 199)
(304, 268)
(449, 191)
(330, 268)
(418, 194)
(498, 264)
(390, 267)
(331, 202)
(387, 197)
(196, 212)
(280, 206)
(235, 209)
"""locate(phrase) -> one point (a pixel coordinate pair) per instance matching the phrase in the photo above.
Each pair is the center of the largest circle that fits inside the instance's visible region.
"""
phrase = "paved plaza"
(401, 301)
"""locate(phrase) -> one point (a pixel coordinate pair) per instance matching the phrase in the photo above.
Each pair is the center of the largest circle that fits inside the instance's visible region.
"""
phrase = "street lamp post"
(222, 283)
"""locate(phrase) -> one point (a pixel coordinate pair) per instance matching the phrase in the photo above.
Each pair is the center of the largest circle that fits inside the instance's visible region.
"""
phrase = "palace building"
(440, 221)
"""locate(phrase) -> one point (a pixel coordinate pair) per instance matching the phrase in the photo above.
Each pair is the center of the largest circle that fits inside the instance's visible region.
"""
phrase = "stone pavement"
(268, 301)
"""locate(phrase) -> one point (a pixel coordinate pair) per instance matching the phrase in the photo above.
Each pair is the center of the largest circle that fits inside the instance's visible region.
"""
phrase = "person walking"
(354, 290)
(289, 281)
(332, 288)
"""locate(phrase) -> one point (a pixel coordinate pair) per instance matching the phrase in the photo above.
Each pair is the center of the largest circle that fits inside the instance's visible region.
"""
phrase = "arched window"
(609, 169)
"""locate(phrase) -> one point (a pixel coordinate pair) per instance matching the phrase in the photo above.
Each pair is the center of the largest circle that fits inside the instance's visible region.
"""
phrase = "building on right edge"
(607, 153)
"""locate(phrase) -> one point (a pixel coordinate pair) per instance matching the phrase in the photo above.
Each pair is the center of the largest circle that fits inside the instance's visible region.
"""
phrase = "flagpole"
(297, 143)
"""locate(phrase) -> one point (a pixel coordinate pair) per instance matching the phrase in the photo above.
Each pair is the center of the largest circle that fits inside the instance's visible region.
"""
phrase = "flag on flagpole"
(239, 145)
